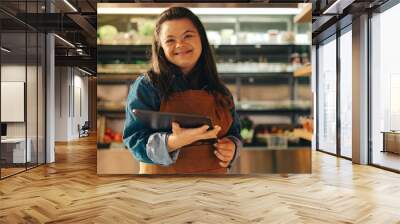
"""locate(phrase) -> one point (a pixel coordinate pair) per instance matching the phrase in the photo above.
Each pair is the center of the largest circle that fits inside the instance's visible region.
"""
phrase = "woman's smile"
(184, 52)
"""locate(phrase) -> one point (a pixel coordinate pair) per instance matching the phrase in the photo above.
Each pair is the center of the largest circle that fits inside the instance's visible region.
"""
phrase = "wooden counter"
(116, 161)
(256, 160)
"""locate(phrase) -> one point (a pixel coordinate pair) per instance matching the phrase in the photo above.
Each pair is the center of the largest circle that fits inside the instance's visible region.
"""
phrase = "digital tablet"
(163, 120)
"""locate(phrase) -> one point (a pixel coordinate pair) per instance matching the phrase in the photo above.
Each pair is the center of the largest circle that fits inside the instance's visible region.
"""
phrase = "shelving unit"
(107, 54)
(303, 71)
(302, 133)
(305, 15)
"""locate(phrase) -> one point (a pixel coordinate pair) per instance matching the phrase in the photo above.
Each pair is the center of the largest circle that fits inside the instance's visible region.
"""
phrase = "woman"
(183, 79)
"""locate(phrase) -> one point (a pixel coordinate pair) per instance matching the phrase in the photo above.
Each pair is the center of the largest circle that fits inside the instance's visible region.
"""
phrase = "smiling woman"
(183, 79)
(181, 43)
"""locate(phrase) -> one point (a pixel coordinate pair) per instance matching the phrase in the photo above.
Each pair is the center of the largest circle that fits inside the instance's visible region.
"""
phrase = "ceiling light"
(204, 11)
(337, 7)
(70, 5)
(65, 41)
(5, 50)
(86, 72)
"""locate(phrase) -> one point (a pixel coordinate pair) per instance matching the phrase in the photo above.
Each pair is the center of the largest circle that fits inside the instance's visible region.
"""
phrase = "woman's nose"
(180, 42)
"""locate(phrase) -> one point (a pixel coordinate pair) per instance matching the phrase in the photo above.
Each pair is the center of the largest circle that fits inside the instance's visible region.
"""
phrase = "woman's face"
(181, 43)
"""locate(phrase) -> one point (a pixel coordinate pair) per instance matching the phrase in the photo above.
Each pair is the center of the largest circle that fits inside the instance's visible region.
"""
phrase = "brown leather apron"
(194, 158)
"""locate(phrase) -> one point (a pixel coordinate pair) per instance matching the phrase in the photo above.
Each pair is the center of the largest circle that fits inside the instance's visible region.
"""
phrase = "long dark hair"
(162, 71)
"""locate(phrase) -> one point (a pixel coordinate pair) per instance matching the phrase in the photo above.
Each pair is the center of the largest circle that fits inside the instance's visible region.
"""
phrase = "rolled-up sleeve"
(146, 145)
(157, 149)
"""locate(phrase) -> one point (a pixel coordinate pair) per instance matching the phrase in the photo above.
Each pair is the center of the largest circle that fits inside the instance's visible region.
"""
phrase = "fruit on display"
(107, 139)
(118, 137)
(246, 123)
(146, 28)
(110, 136)
(288, 37)
(247, 135)
(107, 32)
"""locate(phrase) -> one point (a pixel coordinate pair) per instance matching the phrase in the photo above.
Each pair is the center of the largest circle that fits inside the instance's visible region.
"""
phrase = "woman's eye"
(188, 36)
(169, 41)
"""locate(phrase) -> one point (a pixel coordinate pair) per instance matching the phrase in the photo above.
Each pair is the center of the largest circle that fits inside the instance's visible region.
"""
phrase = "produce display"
(107, 32)
(141, 34)
(110, 136)
(265, 105)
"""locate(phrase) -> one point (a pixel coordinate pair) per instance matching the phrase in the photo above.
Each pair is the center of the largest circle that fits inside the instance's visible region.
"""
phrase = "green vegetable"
(107, 32)
(146, 28)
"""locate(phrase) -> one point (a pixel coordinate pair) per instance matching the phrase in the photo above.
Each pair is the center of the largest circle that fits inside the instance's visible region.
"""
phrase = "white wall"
(13, 73)
(61, 103)
(34, 106)
(68, 83)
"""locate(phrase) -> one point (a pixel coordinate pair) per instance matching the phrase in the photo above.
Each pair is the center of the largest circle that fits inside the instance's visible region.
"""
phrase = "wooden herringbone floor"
(69, 191)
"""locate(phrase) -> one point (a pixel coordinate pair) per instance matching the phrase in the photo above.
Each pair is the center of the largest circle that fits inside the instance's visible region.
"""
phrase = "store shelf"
(254, 74)
(215, 45)
(114, 82)
(261, 45)
(131, 71)
(305, 15)
(111, 79)
(146, 49)
(274, 111)
(303, 71)
(269, 111)
(116, 114)
(276, 108)
(274, 53)
(122, 68)
(254, 67)
(302, 133)
(285, 108)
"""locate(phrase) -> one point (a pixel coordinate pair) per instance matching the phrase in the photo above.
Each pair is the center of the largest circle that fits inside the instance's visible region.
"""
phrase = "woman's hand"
(225, 150)
(186, 136)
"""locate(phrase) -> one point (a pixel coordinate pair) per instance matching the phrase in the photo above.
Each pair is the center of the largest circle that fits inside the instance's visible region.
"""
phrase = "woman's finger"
(211, 134)
(224, 147)
(201, 130)
(176, 128)
(224, 164)
(226, 153)
(220, 156)
(176, 125)
(215, 130)
(224, 140)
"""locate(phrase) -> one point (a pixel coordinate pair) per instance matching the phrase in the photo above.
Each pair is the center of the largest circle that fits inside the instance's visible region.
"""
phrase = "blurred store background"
(262, 55)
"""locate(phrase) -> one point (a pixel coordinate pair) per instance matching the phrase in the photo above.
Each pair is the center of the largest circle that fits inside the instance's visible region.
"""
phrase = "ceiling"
(330, 15)
(75, 23)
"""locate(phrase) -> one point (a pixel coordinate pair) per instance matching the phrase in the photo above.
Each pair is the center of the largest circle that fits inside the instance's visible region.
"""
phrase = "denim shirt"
(150, 146)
